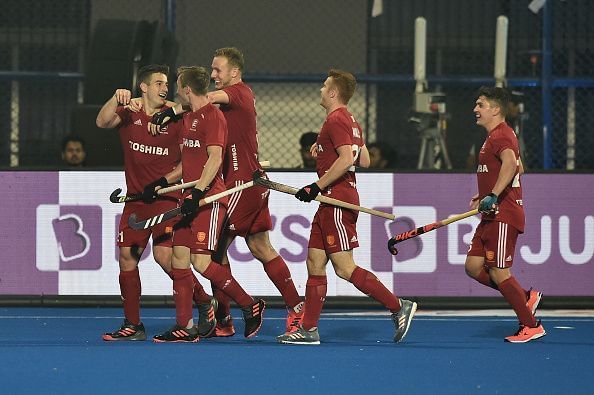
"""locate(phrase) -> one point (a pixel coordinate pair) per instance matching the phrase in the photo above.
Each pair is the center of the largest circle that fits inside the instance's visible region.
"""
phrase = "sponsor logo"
(138, 122)
(509, 258)
(354, 239)
(148, 149)
(68, 237)
(482, 169)
(234, 157)
(191, 143)
(356, 133)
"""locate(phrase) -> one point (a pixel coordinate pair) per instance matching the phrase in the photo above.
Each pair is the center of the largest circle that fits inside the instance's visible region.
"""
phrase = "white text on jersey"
(148, 149)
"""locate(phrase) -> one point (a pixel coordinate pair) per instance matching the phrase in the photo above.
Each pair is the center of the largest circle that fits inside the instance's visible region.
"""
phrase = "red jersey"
(146, 157)
(241, 158)
(511, 210)
(340, 128)
(202, 128)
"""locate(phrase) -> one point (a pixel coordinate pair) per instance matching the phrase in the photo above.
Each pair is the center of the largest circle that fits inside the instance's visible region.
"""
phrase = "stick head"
(392, 246)
(114, 196)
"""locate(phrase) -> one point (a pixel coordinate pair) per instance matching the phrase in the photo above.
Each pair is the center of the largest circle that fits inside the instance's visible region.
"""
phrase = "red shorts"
(248, 211)
(334, 229)
(200, 232)
(162, 233)
(496, 242)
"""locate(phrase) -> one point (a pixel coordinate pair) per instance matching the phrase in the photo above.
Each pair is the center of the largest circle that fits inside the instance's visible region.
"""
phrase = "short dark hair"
(145, 72)
(307, 139)
(497, 95)
(72, 138)
(233, 55)
(196, 77)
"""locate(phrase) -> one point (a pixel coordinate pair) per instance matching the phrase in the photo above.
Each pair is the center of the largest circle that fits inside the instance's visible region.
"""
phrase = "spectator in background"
(306, 140)
(381, 156)
(73, 151)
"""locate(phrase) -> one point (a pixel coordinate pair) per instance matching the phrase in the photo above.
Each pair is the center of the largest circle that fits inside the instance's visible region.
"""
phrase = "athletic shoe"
(128, 331)
(252, 316)
(293, 320)
(300, 336)
(178, 334)
(526, 333)
(207, 321)
(402, 318)
(533, 301)
(224, 328)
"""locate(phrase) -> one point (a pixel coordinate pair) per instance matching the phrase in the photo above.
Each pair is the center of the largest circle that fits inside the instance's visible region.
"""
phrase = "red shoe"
(533, 301)
(224, 328)
(526, 333)
(293, 320)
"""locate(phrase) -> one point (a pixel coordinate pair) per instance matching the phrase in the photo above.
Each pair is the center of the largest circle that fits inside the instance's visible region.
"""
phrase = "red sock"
(279, 274)
(315, 295)
(369, 284)
(200, 296)
(516, 297)
(183, 288)
(485, 279)
(224, 309)
(130, 290)
(224, 280)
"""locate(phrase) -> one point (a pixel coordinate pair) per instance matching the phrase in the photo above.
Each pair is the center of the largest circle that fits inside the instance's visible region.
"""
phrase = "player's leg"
(183, 285)
(278, 272)
(206, 229)
(131, 245)
(500, 241)
(224, 326)
(315, 295)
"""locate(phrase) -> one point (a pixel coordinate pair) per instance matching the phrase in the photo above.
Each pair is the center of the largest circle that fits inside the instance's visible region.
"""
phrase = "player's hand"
(474, 202)
(123, 96)
(135, 104)
(150, 191)
(190, 204)
(161, 119)
(488, 205)
(308, 192)
(313, 150)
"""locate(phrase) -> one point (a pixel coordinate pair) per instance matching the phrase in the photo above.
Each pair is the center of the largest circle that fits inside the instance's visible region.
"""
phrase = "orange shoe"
(224, 328)
(293, 320)
(526, 333)
(533, 301)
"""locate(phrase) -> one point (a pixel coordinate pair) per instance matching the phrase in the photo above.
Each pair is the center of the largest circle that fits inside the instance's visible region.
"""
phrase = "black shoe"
(252, 316)
(178, 334)
(128, 331)
(207, 321)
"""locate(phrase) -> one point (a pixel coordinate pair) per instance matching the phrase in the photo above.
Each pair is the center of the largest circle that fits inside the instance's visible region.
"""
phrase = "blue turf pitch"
(60, 351)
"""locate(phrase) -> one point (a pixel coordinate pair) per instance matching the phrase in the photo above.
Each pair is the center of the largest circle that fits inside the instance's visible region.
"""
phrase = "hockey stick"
(157, 219)
(258, 179)
(424, 229)
(115, 196)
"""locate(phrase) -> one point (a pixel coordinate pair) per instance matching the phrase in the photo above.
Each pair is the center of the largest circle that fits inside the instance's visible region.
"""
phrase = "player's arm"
(107, 117)
(364, 160)
(509, 167)
(218, 97)
(340, 166)
(211, 168)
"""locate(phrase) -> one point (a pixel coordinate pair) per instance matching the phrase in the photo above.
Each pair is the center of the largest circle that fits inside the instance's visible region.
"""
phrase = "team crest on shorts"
(201, 236)
(490, 255)
(330, 239)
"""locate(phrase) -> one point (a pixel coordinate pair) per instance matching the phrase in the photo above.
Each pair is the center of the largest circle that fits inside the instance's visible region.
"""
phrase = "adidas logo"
(354, 239)
(232, 227)
(138, 122)
(509, 258)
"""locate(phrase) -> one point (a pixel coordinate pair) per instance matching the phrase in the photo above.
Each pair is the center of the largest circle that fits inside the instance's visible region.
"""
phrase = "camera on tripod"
(429, 102)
